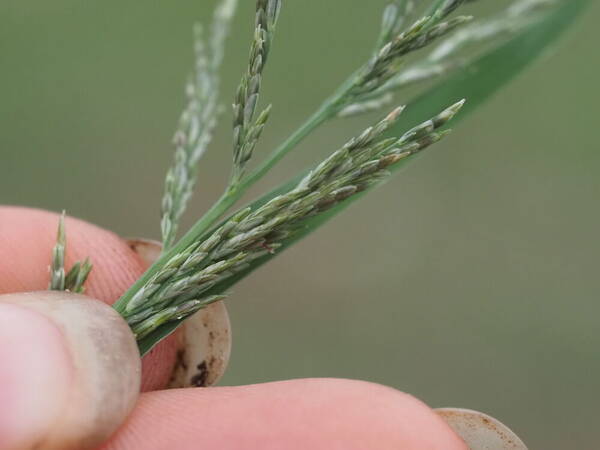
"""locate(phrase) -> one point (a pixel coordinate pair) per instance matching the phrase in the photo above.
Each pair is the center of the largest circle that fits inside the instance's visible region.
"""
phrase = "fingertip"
(28, 236)
(68, 383)
(317, 413)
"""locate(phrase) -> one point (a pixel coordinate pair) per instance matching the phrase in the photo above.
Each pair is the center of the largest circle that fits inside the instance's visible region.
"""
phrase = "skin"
(297, 414)
(85, 406)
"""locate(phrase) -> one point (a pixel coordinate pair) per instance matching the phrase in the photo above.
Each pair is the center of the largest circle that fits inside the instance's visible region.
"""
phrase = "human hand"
(297, 414)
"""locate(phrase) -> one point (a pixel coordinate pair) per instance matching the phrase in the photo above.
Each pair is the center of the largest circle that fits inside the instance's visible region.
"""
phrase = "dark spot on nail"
(199, 380)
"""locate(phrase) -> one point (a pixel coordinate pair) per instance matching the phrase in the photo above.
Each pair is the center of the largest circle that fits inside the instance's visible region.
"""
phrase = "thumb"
(64, 382)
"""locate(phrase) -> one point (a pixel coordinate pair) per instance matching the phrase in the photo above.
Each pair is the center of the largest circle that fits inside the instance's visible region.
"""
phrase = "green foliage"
(211, 258)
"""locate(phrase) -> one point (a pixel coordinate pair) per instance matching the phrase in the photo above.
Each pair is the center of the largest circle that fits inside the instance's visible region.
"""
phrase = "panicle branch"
(466, 44)
(246, 129)
(370, 88)
(74, 280)
(198, 120)
(182, 286)
(57, 267)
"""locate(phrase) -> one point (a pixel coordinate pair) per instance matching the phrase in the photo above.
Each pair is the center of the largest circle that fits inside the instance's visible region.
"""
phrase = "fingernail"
(480, 431)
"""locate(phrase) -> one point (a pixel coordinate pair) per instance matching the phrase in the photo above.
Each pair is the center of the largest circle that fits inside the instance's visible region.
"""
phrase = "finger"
(65, 384)
(27, 237)
(315, 414)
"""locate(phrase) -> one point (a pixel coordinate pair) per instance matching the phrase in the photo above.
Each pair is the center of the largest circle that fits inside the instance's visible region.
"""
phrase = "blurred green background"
(470, 279)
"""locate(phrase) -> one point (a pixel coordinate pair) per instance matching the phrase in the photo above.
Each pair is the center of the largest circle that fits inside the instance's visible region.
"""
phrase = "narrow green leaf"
(476, 82)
